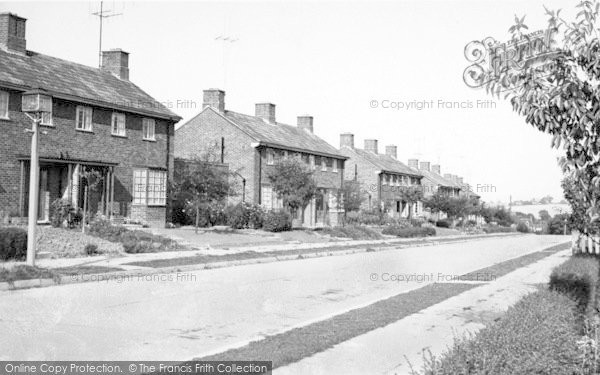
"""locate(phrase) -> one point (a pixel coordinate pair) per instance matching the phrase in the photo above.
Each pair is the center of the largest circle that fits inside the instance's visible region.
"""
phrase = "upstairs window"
(47, 118)
(270, 157)
(335, 165)
(3, 104)
(311, 162)
(324, 164)
(148, 128)
(118, 124)
(83, 119)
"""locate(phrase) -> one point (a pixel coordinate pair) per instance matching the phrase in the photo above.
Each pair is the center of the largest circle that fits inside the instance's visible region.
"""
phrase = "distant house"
(382, 177)
(432, 181)
(252, 144)
(101, 125)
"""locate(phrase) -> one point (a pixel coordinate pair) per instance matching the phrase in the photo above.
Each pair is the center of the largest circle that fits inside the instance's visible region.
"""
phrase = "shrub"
(444, 223)
(277, 221)
(355, 232)
(538, 335)
(244, 215)
(578, 278)
(409, 232)
(13, 243)
(60, 212)
(91, 249)
(104, 229)
(523, 228)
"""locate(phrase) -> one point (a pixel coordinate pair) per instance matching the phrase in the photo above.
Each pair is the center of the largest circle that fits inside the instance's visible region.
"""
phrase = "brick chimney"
(413, 163)
(266, 111)
(305, 122)
(12, 33)
(116, 61)
(391, 150)
(437, 169)
(371, 145)
(214, 98)
(424, 166)
(347, 140)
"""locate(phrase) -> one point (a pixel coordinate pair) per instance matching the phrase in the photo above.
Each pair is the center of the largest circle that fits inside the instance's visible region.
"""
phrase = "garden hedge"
(13, 243)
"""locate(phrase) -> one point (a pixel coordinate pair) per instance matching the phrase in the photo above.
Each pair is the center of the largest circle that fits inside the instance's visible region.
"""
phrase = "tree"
(557, 92)
(546, 200)
(437, 203)
(293, 183)
(201, 185)
(411, 195)
(544, 215)
(352, 195)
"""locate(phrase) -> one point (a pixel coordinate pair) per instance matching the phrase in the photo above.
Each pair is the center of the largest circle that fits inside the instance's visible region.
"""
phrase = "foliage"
(293, 183)
(60, 209)
(444, 223)
(352, 195)
(26, 272)
(578, 278)
(454, 207)
(13, 243)
(538, 335)
(409, 232)
(497, 229)
(523, 228)
(411, 195)
(201, 186)
(133, 241)
(579, 219)
(91, 249)
(244, 215)
(561, 97)
(277, 221)
(544, 215)
(557, 224)
(498, 215)
(356, 232)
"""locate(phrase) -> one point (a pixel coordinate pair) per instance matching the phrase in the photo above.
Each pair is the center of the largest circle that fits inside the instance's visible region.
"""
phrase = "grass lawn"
(85, 270)
(298, 343)
(25, 272)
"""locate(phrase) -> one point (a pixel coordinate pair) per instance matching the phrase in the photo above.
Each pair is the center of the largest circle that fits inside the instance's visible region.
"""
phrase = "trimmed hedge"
(578, 279)
(277, 221)
(13, 244)
(538, 335)
(409, 232)
(443, 223)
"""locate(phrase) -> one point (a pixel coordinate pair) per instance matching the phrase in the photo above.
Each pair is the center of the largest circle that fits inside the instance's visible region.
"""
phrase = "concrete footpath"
(394, 348)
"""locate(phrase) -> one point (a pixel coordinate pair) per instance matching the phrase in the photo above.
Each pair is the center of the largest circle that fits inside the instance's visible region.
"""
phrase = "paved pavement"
(181, 316)
(393, 349)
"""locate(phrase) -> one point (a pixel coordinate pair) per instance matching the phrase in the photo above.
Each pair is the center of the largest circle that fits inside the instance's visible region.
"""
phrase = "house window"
(335, 165)
(149, 187)
(118, 124)
(270, 157)
(311, 161)
(47, 118)
(285, 155)
(157, 187)
(83, 119)
(324, 164)
(148, 127)
(139, 186)
(3, 104)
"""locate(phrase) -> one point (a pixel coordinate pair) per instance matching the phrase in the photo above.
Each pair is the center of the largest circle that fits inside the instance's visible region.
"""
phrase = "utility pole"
(102, 14)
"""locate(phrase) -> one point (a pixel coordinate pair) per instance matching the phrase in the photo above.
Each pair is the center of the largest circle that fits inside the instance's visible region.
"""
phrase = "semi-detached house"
(104, 132)
(252, 144)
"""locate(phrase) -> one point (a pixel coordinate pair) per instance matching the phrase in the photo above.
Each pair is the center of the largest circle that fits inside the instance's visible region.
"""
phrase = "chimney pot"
(116, 61)
(266, 111)
(12, 33)
(424, 166)
(437, 169)
(347, 140)
(413, 163)
(214, 98)
(371, 145)
(306, 122)
(391, 150)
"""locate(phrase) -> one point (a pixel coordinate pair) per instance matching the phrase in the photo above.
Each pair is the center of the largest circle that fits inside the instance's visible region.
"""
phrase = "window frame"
(311, 162)
(6, 115)
(142, 197)
(88, 113)
(145, 122)
(117, 115)
(335, 166)
(323, 164)
(270, 157)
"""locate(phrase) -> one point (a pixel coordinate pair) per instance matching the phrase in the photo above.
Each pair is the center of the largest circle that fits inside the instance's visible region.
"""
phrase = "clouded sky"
(340, 62)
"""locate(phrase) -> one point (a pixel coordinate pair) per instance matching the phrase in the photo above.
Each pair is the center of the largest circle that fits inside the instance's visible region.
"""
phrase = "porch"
(70, 180)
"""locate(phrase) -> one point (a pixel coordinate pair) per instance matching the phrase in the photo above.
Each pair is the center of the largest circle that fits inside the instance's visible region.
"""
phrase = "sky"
(342, 62)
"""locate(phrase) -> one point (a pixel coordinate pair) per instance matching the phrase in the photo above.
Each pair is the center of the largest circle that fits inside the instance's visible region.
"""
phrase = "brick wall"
(63, 141)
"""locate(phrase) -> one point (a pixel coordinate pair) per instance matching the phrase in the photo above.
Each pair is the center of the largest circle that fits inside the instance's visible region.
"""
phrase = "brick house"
(382, 177)
(251, 145)
(104, 132)
(433, 182)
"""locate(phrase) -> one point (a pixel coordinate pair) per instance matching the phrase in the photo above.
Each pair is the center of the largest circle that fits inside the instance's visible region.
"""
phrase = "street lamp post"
(34, 104)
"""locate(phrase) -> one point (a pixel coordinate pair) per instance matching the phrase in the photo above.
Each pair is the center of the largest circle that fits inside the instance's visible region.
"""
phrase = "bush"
(13, 244)
(244, 215)
(444, 223)
(356, 232)
(91, 249)
(538, 335)
(523, 228)
(277, 221)
(60, 212)
(578, 278)
(409, 232)
(104, 229)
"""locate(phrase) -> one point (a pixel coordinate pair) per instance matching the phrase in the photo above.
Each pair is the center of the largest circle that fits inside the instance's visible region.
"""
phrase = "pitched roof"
(386, 163)
(281, 135)
(71, 81)
(439, 180)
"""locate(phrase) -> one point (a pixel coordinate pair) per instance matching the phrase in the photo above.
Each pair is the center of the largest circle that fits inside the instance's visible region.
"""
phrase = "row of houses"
(104, 125)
